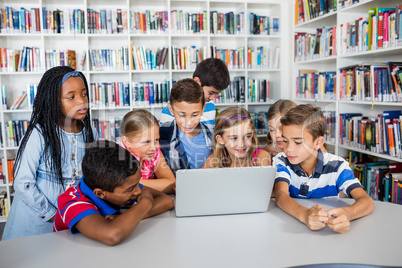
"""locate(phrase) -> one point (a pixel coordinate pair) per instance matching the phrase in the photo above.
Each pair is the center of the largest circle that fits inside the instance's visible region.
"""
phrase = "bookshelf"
(82, 39)
(334, 63)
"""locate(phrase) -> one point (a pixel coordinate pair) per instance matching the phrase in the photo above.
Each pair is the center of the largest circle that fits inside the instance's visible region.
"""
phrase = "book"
(18, 101)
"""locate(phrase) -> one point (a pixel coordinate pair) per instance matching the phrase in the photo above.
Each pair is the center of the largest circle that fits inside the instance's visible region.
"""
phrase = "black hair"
(106, 165)
(47, 118)
(213, 72)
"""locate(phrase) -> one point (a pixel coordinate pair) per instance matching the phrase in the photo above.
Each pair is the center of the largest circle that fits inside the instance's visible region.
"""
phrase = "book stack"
(381, 134)
(15, 131)
(234, 93)
(19, 21)
(313, 85)
(382, 180)
(226, 23)
(148, 59)
(263, 57)
(3, 203)
(372, 82)
(309, 46)
(183, 22)
(148, 22)
(263, 25)
(107, 21)
(63, 21)
(381, 29)
(188, 57)
(109, 59)
(115, 94)
(55, 58)
(310, 9)
(258, 90)
(109, 130)
(234, 58)
(150, 93)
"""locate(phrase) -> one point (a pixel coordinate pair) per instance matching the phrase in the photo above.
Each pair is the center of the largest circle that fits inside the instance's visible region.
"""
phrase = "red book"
(380, 29)
(116, 88)
(37, 20)
(201, 21)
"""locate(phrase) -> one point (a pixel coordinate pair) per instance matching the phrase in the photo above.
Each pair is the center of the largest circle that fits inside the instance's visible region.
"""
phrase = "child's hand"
(316, 217)
(338, 221)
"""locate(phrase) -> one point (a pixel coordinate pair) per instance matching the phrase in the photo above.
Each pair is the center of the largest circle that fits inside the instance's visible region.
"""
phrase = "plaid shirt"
(175, 156)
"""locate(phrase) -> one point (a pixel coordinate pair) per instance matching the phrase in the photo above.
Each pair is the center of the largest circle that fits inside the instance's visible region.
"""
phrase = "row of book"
(310, 46)
(9, 163)
(25, 60)
(67, 21)
(187, 58)
(226, 23)
(148, 59)
(15, 130)
(381, 180)
(115, 94)
(306, 10)
(19, 21)
(109, 130)
(372, 82)
(109, 59)
(380, 134)
(149, 22)
(263, 25)
(184, 22)
(381, 29)
(347, 3)
(314, 85)
(149, 93)
(107, 21)
(64, 57)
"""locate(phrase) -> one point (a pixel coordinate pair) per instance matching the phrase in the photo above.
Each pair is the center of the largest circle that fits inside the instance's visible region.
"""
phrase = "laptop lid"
(218, 191)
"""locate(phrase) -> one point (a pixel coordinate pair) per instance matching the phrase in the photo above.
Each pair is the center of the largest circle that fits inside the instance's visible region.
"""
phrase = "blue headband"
(70, 74)
(237, 116)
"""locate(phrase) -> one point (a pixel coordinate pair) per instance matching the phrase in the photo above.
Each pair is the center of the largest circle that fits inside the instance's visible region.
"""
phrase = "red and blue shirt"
(76, 203)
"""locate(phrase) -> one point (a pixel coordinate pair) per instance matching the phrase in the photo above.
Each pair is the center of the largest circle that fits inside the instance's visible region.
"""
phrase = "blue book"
(153, 61)
(22, 20)
(126, 94)
(388, 117)
(16, 21)
(151, 93)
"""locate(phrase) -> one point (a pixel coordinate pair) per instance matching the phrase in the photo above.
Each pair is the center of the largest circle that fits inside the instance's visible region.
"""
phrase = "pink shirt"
(147, 167)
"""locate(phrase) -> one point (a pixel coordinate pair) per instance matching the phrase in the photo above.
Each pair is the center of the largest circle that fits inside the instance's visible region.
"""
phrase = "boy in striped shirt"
(304, 171)
(212, 75)
(110, 182)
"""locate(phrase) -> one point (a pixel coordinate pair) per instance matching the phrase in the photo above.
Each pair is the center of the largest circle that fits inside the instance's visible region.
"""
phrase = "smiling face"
(124, 194)
(238, 140)
(187, 116)
(275, 131)
(299, 145)
(144, 145)
(74, 99)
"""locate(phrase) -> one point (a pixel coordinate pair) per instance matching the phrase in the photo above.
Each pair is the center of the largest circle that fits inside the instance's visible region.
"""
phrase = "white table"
(270, 239)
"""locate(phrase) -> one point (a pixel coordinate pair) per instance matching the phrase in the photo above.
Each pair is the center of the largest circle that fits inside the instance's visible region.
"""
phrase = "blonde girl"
(139, 131)
(235, 142)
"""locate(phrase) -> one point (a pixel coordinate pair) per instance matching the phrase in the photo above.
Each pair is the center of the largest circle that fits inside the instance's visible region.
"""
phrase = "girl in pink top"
(235, 142)
(139, 131)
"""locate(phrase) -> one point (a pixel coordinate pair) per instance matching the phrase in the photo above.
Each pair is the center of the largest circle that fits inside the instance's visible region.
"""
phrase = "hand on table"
(316, 217)
(338, 220)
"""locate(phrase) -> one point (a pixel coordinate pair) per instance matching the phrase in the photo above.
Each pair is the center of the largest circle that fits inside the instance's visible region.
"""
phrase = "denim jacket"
(175, 156)
(37, 188)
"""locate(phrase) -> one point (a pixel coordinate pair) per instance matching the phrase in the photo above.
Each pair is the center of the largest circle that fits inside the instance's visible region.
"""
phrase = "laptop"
(218, 191)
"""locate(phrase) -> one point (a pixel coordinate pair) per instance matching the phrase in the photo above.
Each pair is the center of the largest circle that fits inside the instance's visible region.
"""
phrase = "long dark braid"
(47, 114)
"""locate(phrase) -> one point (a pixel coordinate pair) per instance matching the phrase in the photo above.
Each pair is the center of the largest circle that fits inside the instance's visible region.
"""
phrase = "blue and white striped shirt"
(208, 118)
(331, 175)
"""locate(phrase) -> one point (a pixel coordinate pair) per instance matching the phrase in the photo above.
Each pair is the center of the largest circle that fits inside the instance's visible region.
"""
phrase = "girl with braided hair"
(50, 155)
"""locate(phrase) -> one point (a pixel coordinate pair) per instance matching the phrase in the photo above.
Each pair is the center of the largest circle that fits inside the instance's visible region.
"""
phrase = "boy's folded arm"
(162, 202)
(113, 231)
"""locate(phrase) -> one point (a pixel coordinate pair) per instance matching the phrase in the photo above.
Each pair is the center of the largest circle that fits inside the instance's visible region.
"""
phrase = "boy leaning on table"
(110, 182)
(304, 171)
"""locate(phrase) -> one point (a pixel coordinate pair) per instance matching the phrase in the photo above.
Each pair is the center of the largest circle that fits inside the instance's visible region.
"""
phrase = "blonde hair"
(280, 107)
(226, 119)
(136, 121)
